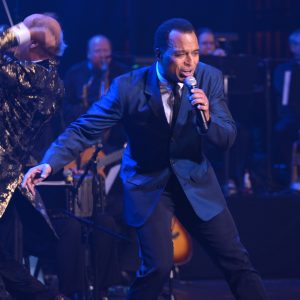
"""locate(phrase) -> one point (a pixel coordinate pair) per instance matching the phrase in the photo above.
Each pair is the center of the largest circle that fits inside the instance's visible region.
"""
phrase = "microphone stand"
(229, 185)
(90, 280)
(226, 154)
(93, 225)
(92, 160)
(98, 191)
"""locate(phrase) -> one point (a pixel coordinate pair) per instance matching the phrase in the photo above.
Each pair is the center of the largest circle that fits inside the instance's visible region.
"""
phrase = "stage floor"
(279, 289)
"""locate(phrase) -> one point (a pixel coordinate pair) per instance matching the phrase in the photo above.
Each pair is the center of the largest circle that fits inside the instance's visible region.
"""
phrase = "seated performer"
(208, 44)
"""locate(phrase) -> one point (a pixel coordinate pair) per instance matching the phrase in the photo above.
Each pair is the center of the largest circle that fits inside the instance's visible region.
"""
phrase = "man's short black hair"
(161, 37)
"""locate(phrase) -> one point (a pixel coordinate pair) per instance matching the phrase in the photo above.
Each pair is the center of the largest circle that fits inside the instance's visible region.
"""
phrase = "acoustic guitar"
(182, 243)
(102, 160)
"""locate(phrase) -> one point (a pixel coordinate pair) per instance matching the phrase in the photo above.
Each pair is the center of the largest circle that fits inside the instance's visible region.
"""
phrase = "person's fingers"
(202, 103)
(28, 177)
(45, 172)
(34, 176)
(31, 188)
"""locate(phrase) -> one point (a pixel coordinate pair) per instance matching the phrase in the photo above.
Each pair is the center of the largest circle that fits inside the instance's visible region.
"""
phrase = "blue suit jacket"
(154, 150)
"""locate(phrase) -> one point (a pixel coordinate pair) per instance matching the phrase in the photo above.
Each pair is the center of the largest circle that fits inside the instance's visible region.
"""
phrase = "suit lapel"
(155, 101)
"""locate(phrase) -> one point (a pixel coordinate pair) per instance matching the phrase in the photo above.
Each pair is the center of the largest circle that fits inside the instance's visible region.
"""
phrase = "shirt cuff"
(21, 32)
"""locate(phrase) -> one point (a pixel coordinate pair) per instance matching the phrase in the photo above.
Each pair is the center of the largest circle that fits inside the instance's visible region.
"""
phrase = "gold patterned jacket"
(30, 94)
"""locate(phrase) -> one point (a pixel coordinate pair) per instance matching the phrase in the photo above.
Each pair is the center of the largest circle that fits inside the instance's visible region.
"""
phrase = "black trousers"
(218, 236)
(17, 280)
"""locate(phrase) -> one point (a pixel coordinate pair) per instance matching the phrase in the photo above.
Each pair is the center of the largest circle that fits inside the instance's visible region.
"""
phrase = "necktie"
(176, 103)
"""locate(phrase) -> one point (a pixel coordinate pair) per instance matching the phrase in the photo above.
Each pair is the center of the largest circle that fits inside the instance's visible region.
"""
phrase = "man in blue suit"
(164, 169)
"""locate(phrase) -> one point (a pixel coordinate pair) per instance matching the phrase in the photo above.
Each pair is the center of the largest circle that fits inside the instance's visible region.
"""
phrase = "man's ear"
(33, 44)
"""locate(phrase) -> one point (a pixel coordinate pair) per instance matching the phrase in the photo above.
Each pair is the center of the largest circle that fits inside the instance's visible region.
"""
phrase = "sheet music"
(286, 87)
(111, 177)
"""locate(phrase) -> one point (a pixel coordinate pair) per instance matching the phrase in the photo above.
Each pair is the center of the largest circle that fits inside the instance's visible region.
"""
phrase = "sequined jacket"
(30, 93)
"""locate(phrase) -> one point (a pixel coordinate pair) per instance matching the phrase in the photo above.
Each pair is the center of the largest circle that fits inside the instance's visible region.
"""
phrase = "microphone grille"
(190, 81)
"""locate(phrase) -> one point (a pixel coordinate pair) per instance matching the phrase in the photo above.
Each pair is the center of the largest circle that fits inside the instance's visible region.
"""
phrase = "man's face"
(207, 43)
(181, 58)
(99, 53)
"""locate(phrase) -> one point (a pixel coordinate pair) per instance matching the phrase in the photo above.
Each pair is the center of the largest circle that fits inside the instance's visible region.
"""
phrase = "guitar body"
(85, 156)
(102, 160)
(182, 243)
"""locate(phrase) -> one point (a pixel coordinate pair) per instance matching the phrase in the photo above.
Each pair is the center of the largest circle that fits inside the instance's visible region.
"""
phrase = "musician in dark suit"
(86, 81)
(164, 169)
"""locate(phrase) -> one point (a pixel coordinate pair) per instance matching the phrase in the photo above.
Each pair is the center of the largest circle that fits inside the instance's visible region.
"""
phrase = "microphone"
(104, 66)
(191, 83)
(68, 174)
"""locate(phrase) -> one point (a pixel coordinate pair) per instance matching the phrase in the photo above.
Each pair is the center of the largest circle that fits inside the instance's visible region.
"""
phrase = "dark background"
(261, 25)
